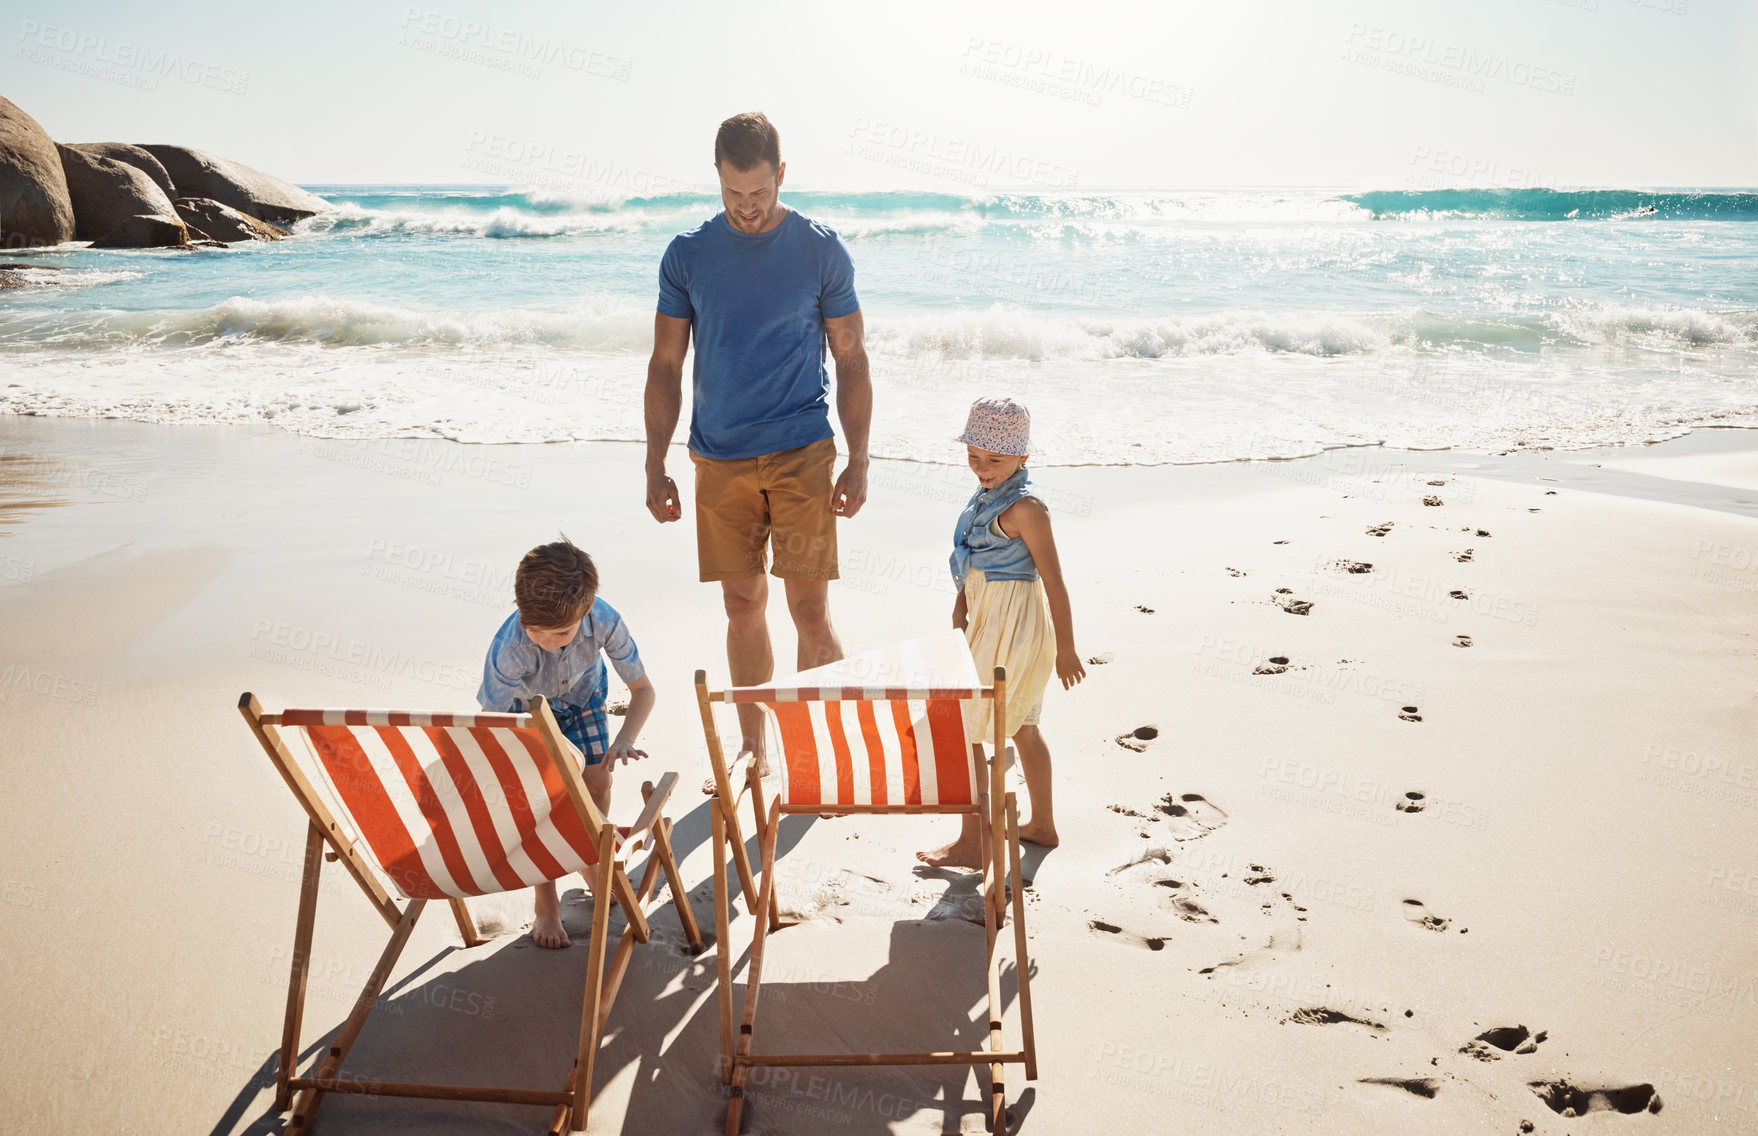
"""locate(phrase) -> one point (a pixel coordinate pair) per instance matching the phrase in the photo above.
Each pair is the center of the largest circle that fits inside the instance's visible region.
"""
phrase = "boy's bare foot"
(958, 854)
(547, 931)
(1044, 837)
(708, 786)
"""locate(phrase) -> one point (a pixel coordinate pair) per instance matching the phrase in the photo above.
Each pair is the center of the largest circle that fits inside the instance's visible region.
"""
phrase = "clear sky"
(625, 97)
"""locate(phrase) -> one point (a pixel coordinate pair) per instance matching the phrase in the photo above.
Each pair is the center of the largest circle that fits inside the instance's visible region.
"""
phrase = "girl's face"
(992, 468)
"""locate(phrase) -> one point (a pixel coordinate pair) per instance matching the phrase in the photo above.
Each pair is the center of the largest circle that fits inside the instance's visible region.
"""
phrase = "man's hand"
(662, 498)
(850, 491)
(622, 751)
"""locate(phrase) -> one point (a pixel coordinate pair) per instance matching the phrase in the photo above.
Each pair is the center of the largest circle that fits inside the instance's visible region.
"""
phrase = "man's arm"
(664, 400)
(854, 408)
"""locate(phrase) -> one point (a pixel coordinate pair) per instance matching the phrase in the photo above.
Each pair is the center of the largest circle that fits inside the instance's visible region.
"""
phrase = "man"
(764, 290)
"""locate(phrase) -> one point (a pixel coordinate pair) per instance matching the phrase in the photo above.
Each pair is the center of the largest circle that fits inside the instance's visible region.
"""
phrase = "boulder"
(196, 173)
(133, 156)
(105, 193)
(148, 230)
(219, 222)
(34, 208)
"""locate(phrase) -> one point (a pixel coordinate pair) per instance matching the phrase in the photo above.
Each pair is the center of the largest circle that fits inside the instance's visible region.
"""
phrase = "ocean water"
(1139, 326)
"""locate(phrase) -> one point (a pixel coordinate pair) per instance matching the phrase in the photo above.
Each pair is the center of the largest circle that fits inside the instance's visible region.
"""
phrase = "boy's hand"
(622, 751)
(1068, 666)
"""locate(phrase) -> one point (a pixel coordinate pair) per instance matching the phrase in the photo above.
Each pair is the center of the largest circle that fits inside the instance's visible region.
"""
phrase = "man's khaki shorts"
(780, 499)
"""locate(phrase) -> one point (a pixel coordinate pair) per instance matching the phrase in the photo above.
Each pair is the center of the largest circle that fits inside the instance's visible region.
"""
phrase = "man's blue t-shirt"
(757, 305)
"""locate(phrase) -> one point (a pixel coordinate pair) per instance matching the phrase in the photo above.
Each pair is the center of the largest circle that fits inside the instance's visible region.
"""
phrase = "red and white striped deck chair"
(882, 732)
(445, 806)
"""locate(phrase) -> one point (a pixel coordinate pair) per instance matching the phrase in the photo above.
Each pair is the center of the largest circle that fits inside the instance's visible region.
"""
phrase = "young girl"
(1012, 607)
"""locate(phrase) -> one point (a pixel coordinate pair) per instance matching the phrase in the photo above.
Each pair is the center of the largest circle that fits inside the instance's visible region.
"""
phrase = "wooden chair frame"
(327, 838)
(1000, 855)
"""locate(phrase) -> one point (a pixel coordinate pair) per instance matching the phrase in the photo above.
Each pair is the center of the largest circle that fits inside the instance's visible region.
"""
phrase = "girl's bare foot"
(1043, 837)
(547, 931)
(958, 854)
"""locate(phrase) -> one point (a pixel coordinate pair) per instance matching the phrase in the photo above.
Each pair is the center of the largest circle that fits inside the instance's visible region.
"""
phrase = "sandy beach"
(1407, 792)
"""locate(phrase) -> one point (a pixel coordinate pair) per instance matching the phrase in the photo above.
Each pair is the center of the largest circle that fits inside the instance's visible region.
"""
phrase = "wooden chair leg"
(466, 923)
(582, 1086)
(309, 881)
(754, 973)
(309, 1099)
(1021, 959)
(674, 880)
(722, 957)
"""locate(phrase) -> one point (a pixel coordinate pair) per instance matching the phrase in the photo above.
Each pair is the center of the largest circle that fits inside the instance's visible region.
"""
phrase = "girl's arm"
(1030, 521)
(641, 696)
(960, 613)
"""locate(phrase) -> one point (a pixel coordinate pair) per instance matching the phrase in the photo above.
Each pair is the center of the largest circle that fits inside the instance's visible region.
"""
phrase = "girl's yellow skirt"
(1008, 624)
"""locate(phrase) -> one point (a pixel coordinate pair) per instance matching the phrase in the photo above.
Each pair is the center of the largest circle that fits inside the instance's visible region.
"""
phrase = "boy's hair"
(555, 585)
(746, 139)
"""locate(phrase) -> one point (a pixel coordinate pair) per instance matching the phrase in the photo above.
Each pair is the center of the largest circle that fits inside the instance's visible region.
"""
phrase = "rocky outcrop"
(146, 231)
(34, 207)
(196, 173)
(106, 193)
(132, 156)
(221, 222)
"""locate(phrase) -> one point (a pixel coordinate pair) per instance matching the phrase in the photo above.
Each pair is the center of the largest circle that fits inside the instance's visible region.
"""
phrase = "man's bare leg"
(547, 931)
(1034, 762)
(967, 850)
(749, 658)
(808, 601)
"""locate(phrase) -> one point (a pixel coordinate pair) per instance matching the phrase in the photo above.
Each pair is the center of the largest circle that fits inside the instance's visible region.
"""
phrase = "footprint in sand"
(1144, 609)
(1380, 529)
(1147, 942)
(1425, 1087)
(1182, 905)
(1357, 567)
(1412, 802)
(1290, 605)
(1191, 815)
(1461, 640)
(1432, 501)
(1235, 572)
(1465, 557)
(1276, 665)
(1573, 1100)
(1507, 1039)
(1409, 714)
(1101, 659)
(1138, 738)
(1418, 913)
(1325, 1016)
(1459, 594)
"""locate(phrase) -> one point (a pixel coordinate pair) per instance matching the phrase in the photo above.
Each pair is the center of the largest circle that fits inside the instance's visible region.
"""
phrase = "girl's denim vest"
(975, 546)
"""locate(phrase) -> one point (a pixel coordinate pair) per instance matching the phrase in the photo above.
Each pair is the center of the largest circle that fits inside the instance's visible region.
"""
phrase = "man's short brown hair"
(555, 585)
(747, 139)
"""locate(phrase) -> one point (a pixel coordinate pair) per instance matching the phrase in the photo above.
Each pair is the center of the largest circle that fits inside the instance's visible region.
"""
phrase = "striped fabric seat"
(885, 728)
(449, 805)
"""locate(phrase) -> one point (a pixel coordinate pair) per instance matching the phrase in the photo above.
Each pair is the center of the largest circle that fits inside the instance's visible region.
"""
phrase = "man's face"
(752, 197)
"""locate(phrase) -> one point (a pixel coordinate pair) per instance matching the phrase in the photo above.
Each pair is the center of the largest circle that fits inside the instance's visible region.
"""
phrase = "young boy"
(550, 647)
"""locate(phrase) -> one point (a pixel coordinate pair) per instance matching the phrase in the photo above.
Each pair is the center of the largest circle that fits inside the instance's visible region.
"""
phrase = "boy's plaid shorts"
(586, 727)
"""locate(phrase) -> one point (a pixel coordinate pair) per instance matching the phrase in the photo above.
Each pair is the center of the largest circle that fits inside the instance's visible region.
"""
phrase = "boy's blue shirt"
(757, 305)
(518, 668)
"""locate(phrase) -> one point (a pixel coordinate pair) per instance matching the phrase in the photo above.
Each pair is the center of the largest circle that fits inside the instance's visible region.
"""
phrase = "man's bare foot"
(1044, 837)
(708, 785)
(547, 930)
(954, 855)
